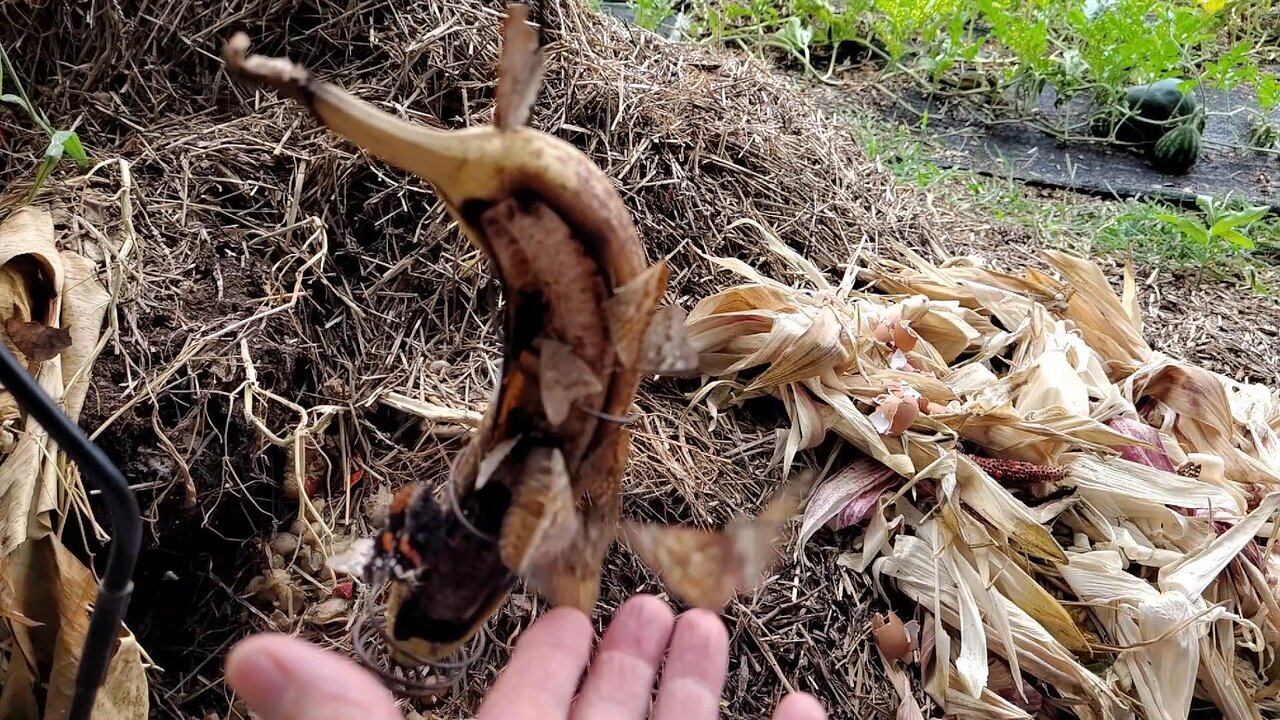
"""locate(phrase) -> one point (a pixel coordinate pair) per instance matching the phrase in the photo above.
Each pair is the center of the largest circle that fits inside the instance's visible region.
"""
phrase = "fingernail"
(644, 624)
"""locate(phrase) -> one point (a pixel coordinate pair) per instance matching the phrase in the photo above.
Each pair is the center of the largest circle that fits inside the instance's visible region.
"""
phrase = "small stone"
(310, 561)
(377, 505)
(332, 610)
(285, 544)
(280, 621)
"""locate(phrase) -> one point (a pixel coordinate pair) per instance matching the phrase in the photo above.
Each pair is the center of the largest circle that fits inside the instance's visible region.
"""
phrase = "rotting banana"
(535, 492)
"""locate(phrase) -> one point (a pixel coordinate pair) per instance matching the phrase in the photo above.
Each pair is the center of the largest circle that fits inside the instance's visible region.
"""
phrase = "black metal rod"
(126, 523)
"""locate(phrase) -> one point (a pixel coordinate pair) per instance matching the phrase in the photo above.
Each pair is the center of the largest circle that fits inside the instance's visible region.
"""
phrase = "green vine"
(1002, 54)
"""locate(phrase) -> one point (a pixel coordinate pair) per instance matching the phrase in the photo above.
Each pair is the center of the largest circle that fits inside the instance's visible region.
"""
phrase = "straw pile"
(285, 292)
(293, 317)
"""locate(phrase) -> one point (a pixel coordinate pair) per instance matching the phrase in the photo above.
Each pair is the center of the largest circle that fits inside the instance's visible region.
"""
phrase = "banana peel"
(534, 495)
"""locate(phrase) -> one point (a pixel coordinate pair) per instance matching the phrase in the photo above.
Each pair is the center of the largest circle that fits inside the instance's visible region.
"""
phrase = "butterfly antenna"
(618, 419)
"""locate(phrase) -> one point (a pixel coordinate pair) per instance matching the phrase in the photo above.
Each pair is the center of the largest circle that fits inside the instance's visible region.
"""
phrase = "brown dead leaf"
(36, 341)
(46, 583)
(762, 300)
(1101, 316)
(809, 424)
(18, 696)
(1148, 448)
(862, 482)
(31, 276)
(819, 348)
(84, 306)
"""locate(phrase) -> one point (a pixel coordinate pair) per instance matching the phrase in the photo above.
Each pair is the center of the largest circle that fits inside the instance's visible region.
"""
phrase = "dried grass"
(280, 273)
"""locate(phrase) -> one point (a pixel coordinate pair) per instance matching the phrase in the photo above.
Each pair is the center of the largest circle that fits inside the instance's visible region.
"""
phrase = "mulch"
(276, 265)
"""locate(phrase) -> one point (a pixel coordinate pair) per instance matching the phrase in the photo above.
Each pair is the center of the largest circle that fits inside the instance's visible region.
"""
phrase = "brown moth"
(519, 71)
(707, 568)
(565, 378)
(36, 341)
(652, 341)
(665, 349)
(572, 578)
(543, 517)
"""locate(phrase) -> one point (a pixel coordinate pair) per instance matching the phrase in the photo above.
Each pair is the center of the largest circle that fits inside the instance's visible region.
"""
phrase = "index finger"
(542, 677)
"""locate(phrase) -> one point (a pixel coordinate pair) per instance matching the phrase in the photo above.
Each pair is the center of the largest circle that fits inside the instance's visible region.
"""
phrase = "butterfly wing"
(519, 70)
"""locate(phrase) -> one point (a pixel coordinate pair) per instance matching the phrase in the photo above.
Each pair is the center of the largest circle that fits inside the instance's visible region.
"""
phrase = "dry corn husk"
(52, 306)
(1145, 578)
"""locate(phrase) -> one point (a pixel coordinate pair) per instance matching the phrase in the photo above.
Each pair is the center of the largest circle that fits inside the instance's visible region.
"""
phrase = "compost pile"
(293, 331)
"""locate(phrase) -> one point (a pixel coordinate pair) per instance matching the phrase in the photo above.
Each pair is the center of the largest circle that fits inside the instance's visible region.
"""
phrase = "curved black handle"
(126, 523)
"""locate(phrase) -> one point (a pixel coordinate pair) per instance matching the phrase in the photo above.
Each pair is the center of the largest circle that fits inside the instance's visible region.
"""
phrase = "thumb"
(283, 678)
(800, 706)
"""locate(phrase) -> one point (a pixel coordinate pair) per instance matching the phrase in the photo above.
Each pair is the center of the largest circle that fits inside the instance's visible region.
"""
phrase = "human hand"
(283, 678)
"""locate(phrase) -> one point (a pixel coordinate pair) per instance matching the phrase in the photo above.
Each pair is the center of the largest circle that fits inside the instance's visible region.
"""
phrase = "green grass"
(1014, 48)
(1144, 229)
(1001, 54)
(60, 142)
(1155, 234)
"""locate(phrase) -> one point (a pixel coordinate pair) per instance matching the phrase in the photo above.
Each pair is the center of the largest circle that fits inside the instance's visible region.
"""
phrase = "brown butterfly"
(563, 378)
(651, 341)
(707, 568)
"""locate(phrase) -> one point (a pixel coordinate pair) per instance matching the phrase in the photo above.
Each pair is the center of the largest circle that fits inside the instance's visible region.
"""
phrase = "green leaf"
(1239, 218)
(9, 98)
(651, 13)
(796, 35)
(52, 154)
(1255, 283)
(1236, 238)
(76, 151)
(57, 144)
(42, 174)
(1268, 90)
(816, 10)
(1191, 228)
